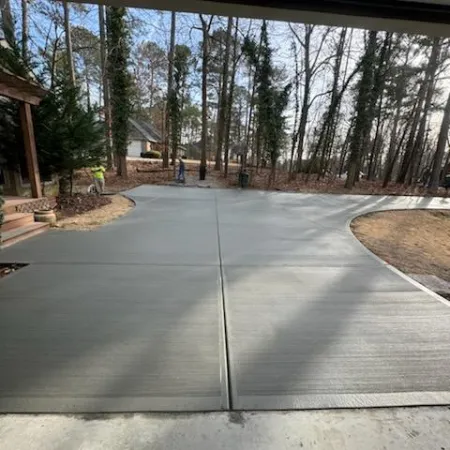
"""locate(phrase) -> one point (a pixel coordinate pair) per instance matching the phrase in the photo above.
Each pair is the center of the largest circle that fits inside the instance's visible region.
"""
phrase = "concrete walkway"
(206, 299)
(376, 429)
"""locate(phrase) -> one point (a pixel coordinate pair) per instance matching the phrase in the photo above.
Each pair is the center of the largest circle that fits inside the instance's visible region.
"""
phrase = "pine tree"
(68, 137)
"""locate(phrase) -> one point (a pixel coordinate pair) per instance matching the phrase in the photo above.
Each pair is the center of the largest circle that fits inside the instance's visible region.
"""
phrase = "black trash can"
(202, 172)
(243, 179)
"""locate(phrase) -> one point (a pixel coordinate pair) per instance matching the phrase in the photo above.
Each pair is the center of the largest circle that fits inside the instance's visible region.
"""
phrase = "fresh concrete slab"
(90, 338)
(132, 317)
(377, 429)
(334, 337)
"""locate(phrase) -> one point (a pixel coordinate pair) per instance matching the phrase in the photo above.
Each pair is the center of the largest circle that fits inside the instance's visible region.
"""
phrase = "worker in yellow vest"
(98, 172)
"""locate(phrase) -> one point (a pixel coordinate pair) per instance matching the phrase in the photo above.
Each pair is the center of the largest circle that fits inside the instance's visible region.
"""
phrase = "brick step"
(16, 220)
(9, 209)
(19, 234)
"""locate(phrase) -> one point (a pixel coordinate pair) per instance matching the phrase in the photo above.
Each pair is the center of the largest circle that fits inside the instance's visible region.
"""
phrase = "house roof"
(144, 131)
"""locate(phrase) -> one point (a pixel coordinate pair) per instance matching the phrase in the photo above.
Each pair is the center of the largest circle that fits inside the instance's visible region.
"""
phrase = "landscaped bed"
(71, 205)
(414, 241)
(88, 212)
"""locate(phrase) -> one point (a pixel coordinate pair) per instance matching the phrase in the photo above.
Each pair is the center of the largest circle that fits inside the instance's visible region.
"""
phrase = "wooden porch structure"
(27, 93)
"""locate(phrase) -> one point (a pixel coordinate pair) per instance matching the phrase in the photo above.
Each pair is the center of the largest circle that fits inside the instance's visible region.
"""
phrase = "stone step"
(19, 234)
(16, 220)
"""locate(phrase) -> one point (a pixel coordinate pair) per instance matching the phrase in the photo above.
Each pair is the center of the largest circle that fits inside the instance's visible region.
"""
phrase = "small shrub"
(152, 154)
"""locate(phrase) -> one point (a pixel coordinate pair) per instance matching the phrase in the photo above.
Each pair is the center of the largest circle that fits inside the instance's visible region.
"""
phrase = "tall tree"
(68, 35)
(118, 54)
(424, 98)
(229, 105)
(24, 4)
(206, 26)
(181, 65)
(7, 22)
(440, 150)
(105, 86)
(362, 118)
(223, 96)
(170, 93)
(312, 65)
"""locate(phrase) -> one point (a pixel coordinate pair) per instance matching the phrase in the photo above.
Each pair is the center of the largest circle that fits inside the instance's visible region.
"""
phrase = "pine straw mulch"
(413, 241)
(151, 172)
(117, 206)
(72, 205)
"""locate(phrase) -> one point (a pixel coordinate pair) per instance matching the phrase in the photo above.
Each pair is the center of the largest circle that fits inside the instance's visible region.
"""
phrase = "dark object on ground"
(243, 179)
(6, 268)
(152, 154)
(69, 206)
(202, 172)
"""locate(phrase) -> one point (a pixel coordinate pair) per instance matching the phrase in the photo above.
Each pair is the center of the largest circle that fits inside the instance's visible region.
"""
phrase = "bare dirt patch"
(117, 206)
(414, 241)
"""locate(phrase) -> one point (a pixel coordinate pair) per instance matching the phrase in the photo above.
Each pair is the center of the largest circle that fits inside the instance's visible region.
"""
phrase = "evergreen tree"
(68, 137)
(118, 54)
(272, 101)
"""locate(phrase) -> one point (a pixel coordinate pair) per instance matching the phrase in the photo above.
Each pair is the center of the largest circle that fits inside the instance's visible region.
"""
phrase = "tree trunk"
(68, 35)
(7, 22)
(305, 103)
(105, 86)
(25, 30)
(430, 72)
(205, 61)
(391, 163)
(223, 96)
(362, 117)
(418, 144)
(230, 100)
(392, 145)
(440, 150)
(169, 89)
(329, 118)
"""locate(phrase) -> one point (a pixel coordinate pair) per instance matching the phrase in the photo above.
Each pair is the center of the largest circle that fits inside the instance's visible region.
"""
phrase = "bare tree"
(229, 105)
(206, 26)
(424, 98)
(312, 65)
(440, 150)
(223, 96)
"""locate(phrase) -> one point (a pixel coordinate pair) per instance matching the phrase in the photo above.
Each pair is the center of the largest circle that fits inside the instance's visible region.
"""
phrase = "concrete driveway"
(207, 299)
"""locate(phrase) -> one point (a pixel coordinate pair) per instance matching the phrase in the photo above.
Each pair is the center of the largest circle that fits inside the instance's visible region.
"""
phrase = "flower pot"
(45, 215)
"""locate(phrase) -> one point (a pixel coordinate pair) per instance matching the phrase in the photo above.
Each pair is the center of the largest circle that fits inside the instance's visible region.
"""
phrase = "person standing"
(181, 168)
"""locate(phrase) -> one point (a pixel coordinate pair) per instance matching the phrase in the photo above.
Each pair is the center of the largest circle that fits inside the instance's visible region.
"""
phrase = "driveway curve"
(205, 299)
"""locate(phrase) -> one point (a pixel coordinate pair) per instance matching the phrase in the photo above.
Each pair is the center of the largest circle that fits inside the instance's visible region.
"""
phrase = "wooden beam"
(17, 94)
(30, 149)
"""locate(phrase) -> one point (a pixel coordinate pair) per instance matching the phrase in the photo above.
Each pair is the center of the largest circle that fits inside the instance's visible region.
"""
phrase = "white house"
(143, 138)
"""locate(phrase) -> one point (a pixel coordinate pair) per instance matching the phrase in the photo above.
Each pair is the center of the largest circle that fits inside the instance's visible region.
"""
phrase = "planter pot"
(45, 215)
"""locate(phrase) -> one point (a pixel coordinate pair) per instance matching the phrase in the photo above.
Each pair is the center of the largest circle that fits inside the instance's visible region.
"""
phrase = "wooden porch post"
(30, 149)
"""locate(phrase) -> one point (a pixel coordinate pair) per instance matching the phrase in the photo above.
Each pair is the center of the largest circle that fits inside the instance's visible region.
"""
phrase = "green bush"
(153, 154)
